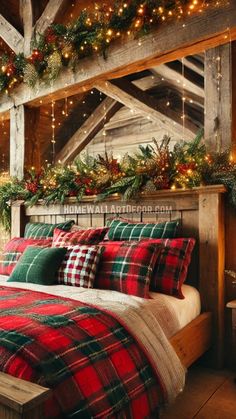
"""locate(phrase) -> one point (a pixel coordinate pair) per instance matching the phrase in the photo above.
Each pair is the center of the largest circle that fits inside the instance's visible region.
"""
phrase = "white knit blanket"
(141, 318)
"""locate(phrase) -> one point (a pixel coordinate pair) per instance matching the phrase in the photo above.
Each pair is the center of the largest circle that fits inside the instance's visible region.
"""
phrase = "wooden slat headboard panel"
(200, 211)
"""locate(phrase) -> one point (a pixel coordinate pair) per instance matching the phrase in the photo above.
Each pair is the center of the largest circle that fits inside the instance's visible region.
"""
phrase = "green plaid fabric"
(38, 265)
(44, 230)
(120, 230)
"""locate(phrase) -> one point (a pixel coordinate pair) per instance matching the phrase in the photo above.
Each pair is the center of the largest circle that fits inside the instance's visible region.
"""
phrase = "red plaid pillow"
(79, 266)
(63, 238)
(127, 267)
(14, 249)
(171, 266)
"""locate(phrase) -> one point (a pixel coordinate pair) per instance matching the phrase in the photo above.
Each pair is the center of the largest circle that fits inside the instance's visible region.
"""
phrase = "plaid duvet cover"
(91, 362)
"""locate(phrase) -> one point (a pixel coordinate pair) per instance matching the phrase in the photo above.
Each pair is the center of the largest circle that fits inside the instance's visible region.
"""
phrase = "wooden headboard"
(201, 211)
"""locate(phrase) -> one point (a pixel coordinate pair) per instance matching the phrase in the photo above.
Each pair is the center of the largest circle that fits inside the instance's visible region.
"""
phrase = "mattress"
(172, 313)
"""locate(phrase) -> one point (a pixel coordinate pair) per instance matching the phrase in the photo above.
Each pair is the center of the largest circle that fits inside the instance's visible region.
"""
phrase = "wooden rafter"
(26, 12)
(11, 36)
(88, 130)
(168, 43)
(48, 16)
(134, 98)
(178, 80)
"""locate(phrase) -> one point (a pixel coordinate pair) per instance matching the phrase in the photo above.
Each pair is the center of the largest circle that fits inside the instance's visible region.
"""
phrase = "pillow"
(79, 266)
(120, 230)
(44, 230)
(38, 265)
(171, 266)
(14, 249)
(127, 267)
(72, 238)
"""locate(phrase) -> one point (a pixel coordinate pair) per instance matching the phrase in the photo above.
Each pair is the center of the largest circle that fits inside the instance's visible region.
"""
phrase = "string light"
(53, 125)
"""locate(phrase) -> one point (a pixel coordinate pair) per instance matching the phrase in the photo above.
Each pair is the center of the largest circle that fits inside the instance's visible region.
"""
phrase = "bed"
(192, 337)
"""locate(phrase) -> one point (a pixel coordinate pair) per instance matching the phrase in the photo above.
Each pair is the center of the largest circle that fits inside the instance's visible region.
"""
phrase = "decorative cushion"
(44, 230)
(171, 266)
(38, 265)
(79, 266)
(14, 249)
(127, 267)
(120, 230)
(72, 238)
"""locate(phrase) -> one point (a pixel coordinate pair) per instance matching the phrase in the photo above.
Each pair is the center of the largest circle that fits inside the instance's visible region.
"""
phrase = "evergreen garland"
(151, 168)
(92, 32)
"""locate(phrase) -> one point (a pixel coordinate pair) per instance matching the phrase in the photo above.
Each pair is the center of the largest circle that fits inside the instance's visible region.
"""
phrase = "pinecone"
(149, 187)
(30, 75)
(54, 65)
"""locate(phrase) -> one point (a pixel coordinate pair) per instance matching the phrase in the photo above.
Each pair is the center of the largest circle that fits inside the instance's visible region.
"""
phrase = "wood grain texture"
(168, 43)
(193, 340)
(26, 13)
(219, 75)
(20, 399)
(211, 265)
(11, 36)
(48, 16)
(17, 141)
(88, 130)
(136, 99)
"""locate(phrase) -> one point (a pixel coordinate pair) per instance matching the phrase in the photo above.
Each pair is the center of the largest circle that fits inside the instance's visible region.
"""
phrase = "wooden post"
(212, 261)
(32, 145)
(220, 93)
(18, 219)
(17, 141)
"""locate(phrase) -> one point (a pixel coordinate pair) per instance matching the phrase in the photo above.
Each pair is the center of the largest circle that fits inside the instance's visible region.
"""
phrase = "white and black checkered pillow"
(80, 265)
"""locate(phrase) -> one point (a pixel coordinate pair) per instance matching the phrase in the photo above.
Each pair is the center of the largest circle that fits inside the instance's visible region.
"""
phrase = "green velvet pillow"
(44, 230)
(38, 265)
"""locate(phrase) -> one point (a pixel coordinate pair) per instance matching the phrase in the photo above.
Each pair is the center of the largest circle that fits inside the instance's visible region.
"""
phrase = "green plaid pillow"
(38, 265)
(44, 230)
(120, 230)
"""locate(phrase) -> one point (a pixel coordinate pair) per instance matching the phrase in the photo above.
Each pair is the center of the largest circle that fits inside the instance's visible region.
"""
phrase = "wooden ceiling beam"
(194, 65)
(178, 80)
(26, 13)
(48, 16)
(107, 108)
(170, 42)
(134, 98)
(11, 36)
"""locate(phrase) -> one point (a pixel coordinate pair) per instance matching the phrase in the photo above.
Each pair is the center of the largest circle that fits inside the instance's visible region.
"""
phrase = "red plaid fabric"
(171, 266)
(14, 249)
(79, 266)
(91, 362)
(62, 238)
(127, 267)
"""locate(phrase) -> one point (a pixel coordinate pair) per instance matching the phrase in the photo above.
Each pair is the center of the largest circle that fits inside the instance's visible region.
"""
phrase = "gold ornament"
(54, 65)
(30, 75)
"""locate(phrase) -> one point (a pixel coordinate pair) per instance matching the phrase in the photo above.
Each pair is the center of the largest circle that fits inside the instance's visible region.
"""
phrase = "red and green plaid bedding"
(90, 361)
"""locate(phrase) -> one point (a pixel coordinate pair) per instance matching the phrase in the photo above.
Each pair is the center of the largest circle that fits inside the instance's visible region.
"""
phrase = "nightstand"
(232, 334)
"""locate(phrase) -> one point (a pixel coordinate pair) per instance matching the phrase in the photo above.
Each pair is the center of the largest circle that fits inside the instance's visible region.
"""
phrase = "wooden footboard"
(194, 339)
(20, 399)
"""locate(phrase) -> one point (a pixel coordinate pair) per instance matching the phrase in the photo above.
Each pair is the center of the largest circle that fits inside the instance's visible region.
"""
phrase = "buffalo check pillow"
(38, 265)
(14, 249)
(44, 230)
(79, 266)
(120, 230)
(127, 267)
(72, 238)
(171, 266)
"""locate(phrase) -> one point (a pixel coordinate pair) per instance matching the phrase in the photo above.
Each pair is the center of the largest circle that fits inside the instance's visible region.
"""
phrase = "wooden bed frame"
(201, 211)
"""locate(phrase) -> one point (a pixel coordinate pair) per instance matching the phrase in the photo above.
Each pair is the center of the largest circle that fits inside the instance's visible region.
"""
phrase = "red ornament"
(36, 56)
(50, 36)
(31, 187)
(73, 192)
(10, 69)
(184, 167)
